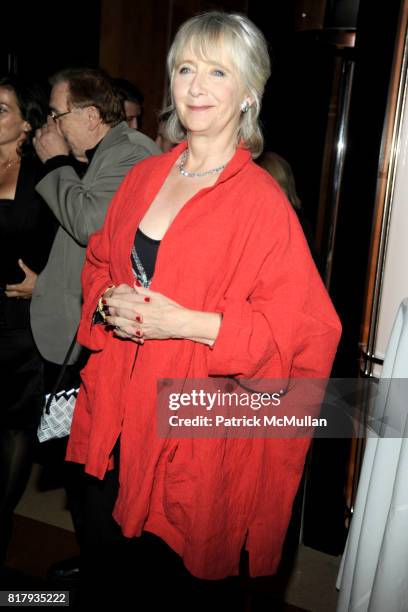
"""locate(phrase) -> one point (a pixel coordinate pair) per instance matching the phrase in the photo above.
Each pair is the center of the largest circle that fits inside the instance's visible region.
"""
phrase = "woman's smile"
(199, 108)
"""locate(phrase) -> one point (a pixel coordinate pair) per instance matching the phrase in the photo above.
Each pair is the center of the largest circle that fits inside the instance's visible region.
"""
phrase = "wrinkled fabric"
(234, 248)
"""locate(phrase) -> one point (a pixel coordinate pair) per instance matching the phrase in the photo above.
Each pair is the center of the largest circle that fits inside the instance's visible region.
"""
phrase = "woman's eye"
(184, 70)
(219, 72)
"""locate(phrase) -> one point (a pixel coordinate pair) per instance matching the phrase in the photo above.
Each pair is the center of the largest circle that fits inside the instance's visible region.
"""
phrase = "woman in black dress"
(27, 229)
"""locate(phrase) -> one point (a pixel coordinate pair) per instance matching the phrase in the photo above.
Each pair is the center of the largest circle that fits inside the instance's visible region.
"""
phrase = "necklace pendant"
(9, 164)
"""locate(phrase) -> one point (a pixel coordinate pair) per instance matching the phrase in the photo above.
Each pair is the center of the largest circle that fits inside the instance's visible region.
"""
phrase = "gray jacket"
(80, 206)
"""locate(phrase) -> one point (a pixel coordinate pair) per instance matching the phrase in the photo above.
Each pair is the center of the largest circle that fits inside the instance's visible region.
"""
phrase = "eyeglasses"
(55, 116)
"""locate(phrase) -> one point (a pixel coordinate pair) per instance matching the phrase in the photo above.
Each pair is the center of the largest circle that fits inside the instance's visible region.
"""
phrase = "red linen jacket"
(236, 248)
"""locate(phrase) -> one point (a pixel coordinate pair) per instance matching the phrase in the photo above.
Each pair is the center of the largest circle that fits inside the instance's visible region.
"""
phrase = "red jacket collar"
(237, 162)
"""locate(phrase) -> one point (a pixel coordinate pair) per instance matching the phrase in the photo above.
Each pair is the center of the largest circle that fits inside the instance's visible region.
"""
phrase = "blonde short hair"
(248, 51)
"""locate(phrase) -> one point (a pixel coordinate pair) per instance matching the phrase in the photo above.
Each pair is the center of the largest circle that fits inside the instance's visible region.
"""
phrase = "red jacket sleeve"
(96, 274)
(286, 325)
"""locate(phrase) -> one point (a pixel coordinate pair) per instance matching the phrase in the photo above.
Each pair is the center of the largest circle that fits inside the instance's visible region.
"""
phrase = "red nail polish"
(138, 283)
(103, 301)
(147, 299)
(139, 319)
(138, 333)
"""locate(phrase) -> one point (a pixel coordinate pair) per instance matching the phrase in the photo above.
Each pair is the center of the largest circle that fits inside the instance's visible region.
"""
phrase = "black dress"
(27, 231)
(146, 249)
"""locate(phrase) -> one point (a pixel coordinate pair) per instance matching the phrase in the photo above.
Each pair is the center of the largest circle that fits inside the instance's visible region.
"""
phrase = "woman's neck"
(205, 153)
(8, 153)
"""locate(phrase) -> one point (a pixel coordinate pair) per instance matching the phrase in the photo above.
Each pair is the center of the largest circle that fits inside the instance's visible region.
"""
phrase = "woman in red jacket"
(203, 271)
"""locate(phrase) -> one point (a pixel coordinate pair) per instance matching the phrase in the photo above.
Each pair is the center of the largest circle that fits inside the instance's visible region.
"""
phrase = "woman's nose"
(197, 84)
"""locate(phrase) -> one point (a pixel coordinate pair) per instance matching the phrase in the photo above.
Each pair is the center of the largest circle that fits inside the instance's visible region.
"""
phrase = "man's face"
(74, 125)
(132, 111)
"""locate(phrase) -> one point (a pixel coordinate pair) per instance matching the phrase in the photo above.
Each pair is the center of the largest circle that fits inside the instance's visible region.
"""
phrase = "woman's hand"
(139, 314)
(25, 289)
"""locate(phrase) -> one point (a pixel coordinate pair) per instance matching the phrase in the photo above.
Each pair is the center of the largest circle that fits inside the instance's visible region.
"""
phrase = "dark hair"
(128, 91)
(92, 87)
(32, 103)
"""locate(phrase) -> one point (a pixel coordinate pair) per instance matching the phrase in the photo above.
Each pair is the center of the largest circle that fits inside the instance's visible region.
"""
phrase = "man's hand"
(49, 141)
(25, 289)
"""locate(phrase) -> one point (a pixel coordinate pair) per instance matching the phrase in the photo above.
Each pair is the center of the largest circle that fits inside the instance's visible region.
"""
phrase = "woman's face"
(12, 125)
(208, 95)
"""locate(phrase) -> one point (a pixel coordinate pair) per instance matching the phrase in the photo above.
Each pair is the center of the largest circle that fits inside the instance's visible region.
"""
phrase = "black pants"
(126, 571)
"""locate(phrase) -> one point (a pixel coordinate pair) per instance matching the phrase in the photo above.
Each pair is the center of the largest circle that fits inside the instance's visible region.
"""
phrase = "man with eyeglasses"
(87, 148)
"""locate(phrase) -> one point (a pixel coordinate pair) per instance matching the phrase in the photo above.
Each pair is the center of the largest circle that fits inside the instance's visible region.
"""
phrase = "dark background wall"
(39, 38)
(135, 38)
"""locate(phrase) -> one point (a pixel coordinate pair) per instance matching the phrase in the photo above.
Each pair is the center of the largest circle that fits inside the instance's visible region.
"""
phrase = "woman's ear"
(246, 104)
(251, 100)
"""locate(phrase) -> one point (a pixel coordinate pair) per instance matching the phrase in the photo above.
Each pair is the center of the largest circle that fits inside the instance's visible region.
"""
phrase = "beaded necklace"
(182, 163)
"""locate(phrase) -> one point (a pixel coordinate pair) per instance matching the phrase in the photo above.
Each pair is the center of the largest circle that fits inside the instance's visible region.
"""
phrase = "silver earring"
(245, 106)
